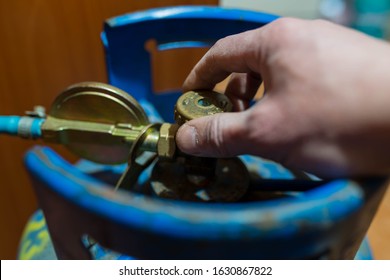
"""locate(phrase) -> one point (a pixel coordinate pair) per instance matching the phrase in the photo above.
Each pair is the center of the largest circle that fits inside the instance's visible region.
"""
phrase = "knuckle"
(218, 44)
(221, 43)
(217, 48)
(286, 24)
(284, 30)
(320, 22)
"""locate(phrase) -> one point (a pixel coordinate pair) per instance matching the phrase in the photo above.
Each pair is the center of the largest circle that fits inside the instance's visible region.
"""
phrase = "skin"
(326, 109)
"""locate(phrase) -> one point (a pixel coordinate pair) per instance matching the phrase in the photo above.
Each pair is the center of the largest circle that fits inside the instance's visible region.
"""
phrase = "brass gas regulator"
(104, 124)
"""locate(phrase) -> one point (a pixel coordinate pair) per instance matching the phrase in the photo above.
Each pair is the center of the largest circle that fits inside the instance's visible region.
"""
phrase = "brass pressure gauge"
(95, 121)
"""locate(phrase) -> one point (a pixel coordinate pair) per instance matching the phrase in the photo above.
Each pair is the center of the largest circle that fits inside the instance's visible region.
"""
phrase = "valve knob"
(196, 104)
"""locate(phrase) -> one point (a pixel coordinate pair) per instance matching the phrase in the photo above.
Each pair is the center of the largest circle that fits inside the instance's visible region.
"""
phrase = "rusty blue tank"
(295, 216)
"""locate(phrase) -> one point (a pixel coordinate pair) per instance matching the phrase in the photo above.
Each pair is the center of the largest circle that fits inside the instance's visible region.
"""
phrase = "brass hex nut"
(166, 145)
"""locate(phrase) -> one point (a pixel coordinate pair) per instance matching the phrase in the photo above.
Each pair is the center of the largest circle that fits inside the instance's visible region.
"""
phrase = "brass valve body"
(200, 179)
(104, 124)
(172, 180)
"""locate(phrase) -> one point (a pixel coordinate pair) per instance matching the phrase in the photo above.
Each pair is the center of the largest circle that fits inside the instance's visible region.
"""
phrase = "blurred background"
(48, 45)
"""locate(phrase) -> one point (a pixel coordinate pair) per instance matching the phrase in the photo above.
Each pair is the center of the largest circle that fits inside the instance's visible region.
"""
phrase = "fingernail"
(188, 139)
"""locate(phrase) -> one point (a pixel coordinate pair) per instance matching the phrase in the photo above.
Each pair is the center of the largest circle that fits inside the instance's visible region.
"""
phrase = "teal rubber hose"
(27, 127)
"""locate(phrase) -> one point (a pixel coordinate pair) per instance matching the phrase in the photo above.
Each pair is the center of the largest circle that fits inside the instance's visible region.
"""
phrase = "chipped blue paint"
(319, 208)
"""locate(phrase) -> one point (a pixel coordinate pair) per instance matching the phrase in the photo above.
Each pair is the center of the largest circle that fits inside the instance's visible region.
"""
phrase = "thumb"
(219, 135)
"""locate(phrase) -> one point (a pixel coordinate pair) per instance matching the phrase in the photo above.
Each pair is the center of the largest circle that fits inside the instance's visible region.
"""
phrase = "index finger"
(240, 53)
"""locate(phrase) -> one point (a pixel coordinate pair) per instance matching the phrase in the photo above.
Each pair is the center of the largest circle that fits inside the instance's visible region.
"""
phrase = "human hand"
(326, 109)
